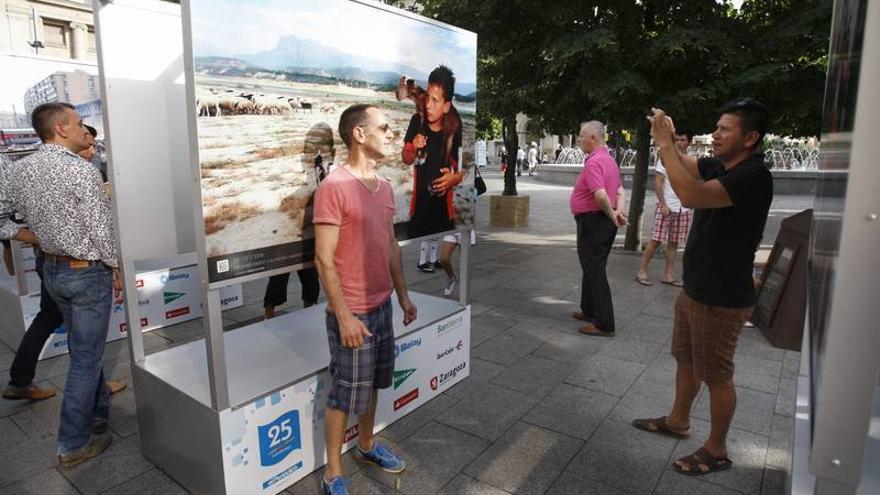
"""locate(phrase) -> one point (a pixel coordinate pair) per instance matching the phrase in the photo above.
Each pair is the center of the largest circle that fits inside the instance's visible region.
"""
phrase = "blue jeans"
(85, 297)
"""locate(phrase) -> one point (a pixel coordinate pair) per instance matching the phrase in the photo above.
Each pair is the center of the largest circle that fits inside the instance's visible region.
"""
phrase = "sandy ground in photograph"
(256, 181)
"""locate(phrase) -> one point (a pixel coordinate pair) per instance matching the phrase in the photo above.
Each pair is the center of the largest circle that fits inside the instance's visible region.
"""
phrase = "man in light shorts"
(358, 260)
(672, 221)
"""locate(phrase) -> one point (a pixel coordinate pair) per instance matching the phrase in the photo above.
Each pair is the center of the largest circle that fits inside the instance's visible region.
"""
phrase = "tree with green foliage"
(612, 61)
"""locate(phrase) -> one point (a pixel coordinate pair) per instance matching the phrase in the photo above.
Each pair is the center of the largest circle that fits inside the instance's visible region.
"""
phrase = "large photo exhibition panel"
(269, 92)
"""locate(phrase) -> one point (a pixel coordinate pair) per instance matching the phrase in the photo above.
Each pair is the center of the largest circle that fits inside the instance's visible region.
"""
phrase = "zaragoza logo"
(401, 376)
(172, 296)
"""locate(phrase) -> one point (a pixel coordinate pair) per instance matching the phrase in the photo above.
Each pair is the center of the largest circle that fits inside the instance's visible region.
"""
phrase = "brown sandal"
(701, 459)
(658, 425)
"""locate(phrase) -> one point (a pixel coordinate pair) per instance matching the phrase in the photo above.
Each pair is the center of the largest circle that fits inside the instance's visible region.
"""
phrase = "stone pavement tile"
(781, 438)
(647, 327)
(6, 358)
(44, 483)
(606, 374)
(674, 483)
(183, 332)
(661, 371)
(569, 483)
(755, 381)
(123, 413)
(485, 326)
(747, 450)
(791, 364)
(465, 485)
(534, 376)
(573, 411)
(487, 410)
(569, 347)
(785, 401)
(245, 313)
(25, 460)
(434, 456)
(643, 400)
(254, 290)
(758, 366)
(40, 421)
(52, 367)
(633, 350)
(507, 348)
(754, 410)
(752, 343)
(774, 482)
(121, 462)
(10, 434)
(525, 460)
(660, 307)
(414, 421)
(623, 457)
(153, 482)
(478, 308)
(481, 371)
(500, 296)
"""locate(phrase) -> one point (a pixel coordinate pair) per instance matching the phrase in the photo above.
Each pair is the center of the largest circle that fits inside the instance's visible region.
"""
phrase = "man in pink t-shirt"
(597, 214)
(358, 260)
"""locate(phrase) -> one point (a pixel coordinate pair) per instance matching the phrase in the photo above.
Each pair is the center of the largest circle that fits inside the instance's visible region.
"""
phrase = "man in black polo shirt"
(731, 194)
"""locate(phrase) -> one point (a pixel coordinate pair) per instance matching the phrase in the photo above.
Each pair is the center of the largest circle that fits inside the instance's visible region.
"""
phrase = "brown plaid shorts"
(706, 337)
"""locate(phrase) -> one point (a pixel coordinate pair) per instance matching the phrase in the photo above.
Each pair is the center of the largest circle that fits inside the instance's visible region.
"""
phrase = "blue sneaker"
(382, 457)
(336, 486)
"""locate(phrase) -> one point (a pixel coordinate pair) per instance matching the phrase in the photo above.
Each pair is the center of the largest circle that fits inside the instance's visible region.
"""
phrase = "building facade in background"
(63, 29)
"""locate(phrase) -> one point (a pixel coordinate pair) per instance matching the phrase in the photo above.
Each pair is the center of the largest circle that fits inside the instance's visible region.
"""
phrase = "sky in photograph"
(230, 27)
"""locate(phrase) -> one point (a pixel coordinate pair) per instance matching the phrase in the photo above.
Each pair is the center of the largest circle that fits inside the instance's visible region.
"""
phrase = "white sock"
(423, 252)
(433, 244)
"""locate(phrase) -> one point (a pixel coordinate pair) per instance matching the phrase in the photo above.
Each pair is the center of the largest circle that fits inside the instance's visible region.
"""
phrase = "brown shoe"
(590, 329)
(96, 445)
(115, 386)
(31, 392)
(577, 315)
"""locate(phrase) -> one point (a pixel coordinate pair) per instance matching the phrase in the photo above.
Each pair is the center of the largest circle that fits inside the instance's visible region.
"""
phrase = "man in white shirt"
(533, 158)
(672, 221)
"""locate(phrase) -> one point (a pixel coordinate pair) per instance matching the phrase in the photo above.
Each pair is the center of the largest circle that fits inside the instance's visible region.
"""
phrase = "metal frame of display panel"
(845, 397)
(147, 105)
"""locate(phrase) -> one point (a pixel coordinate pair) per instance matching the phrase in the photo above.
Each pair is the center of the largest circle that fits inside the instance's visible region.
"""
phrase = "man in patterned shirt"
(61, 196)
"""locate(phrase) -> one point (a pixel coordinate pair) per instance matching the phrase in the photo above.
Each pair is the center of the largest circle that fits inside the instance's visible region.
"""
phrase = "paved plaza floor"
(545, 409)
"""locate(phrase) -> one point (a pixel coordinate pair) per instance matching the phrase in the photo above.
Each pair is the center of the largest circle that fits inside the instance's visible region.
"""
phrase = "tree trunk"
(640, 180)
(511, 142)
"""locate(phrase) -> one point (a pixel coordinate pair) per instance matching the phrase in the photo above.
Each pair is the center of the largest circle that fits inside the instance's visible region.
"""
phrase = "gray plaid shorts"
(357, 371)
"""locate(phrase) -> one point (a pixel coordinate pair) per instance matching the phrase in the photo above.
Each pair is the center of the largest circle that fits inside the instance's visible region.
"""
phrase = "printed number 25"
(280, 433)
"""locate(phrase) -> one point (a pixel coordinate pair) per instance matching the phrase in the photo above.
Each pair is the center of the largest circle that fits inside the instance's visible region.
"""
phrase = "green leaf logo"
(172, 296)
(401, 376)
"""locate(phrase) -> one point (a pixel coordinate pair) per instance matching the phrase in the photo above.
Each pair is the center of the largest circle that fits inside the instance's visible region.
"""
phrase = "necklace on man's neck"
(364, 180)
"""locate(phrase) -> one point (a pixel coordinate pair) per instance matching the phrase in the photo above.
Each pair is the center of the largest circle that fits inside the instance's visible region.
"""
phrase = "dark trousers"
(49, 318)
(276, 289)
(595, 236)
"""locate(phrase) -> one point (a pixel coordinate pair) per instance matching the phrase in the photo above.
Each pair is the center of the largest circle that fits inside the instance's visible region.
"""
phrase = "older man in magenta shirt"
(598, 214)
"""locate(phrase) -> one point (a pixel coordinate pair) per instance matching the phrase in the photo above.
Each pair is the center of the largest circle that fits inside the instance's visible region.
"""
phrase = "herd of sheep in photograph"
(212, 102)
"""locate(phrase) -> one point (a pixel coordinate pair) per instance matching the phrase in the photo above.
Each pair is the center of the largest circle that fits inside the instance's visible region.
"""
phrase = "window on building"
(54, 34)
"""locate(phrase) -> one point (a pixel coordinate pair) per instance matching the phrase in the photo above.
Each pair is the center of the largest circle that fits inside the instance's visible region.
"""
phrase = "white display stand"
(239, 411)
(273, 433)
(168, 293)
